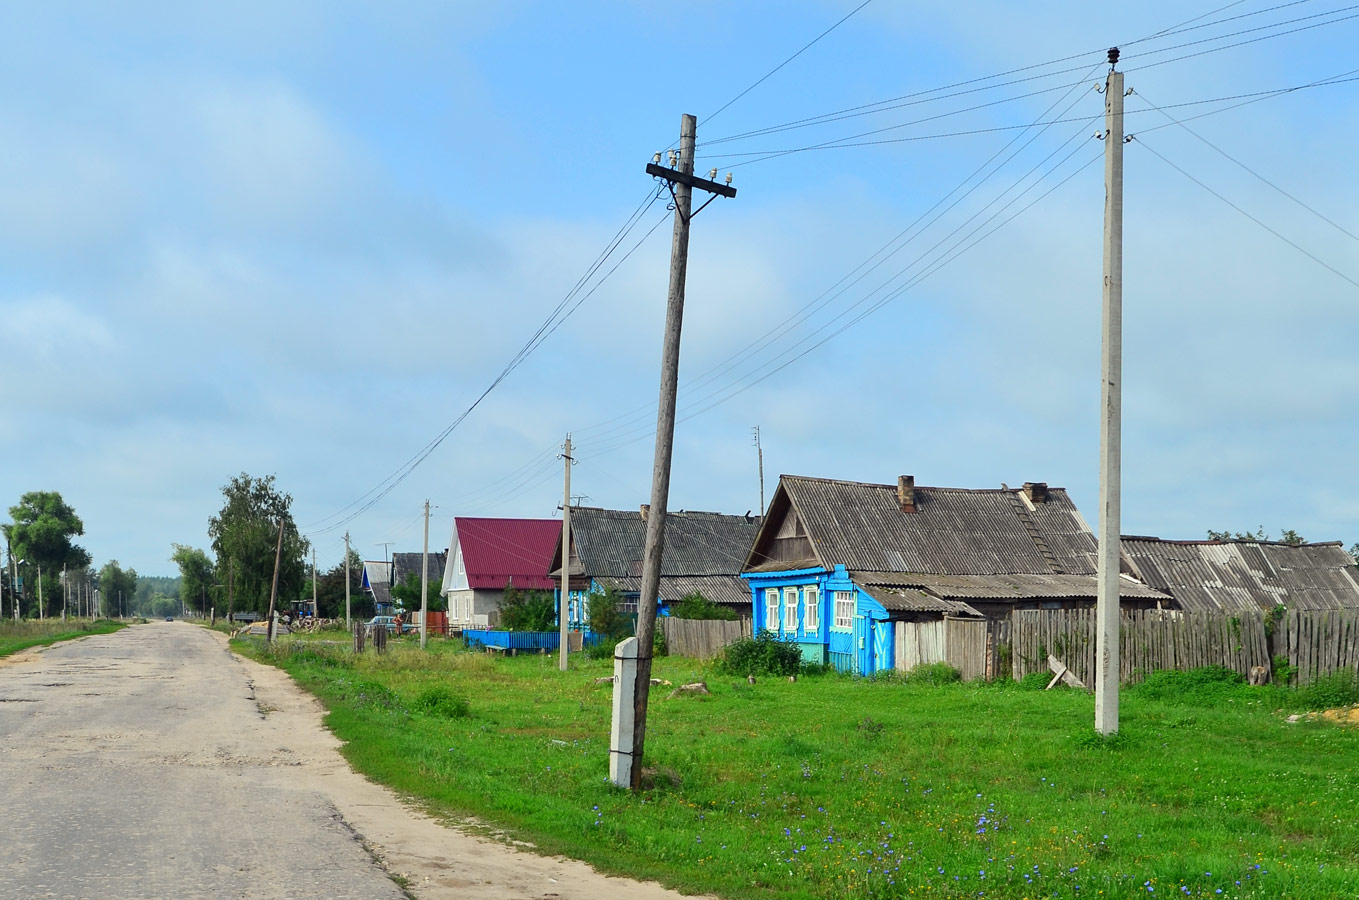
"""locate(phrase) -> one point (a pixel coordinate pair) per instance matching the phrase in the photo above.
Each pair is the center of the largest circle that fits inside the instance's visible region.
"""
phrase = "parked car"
(387, 622)
(169, 618)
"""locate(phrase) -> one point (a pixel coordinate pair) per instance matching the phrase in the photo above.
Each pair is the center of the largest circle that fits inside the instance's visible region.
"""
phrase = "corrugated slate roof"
(498, 550)
(1247, 576)
(1007, 587)
(905, 599)
(955, 531)
(609, 542)
(729, 590)
(404, 564)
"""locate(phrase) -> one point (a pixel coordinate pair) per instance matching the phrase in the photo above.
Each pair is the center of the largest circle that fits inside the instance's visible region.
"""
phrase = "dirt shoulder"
(435, 861)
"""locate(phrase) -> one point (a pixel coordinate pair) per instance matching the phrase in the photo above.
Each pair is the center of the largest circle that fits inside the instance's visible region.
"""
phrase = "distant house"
(836, 562)
(1246, 576)
(379, 576)
(377, 581)
(487, 555)
(703, 554)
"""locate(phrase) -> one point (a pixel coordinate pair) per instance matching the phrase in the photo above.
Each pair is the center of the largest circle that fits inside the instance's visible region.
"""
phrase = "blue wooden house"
(837, 564)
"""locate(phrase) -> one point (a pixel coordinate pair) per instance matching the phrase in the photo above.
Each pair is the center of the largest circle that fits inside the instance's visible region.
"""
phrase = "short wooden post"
(358, 637)
(624, 712)
(380, 639)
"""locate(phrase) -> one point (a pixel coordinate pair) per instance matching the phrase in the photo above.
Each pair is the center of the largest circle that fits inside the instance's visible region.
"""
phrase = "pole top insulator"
(1113, 56)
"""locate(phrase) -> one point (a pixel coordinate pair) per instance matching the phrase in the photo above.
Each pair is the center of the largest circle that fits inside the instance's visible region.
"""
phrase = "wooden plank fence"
(1318, 642)
(701, 638)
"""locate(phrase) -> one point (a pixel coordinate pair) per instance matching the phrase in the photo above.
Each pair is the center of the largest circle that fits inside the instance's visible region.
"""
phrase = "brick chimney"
(906, 493)
(1036, 491)
(646, 508)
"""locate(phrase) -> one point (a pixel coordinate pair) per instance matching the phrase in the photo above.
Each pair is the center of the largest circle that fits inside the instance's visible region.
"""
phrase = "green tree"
(697, 606)
(118, 587)
(243, 540)
(197, 576)
(41, 531)
(606, 615)
(527, 610)
(330, 590)
(1288, 536)
(407, 594)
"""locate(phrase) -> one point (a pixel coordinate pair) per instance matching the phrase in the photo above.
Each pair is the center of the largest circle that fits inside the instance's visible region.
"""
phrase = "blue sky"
(301, 238)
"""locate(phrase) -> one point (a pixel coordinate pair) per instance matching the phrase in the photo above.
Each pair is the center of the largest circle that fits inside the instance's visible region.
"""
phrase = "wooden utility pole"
(424, 583)
(273, 590)
(1111, 406)
(346, 581)
(563, 604)
(681, 182)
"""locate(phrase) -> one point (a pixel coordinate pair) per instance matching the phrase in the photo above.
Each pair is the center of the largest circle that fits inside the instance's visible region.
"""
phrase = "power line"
(883, 105)
(1342, 229)
(1298, 247)
(761, 80)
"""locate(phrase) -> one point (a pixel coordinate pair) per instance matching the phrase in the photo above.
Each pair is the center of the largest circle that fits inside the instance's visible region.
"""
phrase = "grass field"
(845, 787)
(16, 636)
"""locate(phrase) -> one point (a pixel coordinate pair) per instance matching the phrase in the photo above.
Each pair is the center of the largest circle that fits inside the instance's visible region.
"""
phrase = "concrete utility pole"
(65, 590)
(759, 455)
(681, 181)
(563, 604)
(231, 587)
(273, 589)
(40, 614)
(315, 610)
(1111, 405)
(346, 582)
(424, 583)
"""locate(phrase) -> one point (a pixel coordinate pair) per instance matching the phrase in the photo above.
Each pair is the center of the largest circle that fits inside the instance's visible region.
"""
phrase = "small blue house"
(837, 564)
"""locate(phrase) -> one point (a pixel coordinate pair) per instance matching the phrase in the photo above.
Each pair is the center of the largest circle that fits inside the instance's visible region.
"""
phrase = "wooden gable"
(783, 540)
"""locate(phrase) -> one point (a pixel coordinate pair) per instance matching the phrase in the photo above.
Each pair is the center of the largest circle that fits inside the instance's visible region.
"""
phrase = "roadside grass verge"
(16, 636)
(835, 787)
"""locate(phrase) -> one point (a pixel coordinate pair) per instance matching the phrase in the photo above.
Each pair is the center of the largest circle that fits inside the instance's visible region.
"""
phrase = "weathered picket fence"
(701, 638)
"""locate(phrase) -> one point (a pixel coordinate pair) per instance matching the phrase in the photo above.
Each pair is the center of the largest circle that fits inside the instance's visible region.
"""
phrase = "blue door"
(883, 650)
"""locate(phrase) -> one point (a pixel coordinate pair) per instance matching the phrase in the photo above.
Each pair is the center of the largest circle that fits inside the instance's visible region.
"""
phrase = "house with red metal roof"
(485, 556)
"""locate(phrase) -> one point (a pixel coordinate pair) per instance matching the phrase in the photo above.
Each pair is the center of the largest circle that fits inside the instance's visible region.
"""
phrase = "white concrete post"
(624, 712)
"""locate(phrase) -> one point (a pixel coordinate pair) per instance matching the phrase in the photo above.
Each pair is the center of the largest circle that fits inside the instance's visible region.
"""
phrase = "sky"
(301, 239)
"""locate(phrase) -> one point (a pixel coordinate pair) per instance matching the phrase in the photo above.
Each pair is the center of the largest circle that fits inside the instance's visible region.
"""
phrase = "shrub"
(527, 611)
(1204, 686)
(606, 617)
(1035, 681)
(439, 701)
(1329, 691)
(697, 606)
(764, 654)
(933, 673)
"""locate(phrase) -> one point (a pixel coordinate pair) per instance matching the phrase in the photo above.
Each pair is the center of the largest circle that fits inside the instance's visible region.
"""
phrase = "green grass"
(842, 787)
(16, 636)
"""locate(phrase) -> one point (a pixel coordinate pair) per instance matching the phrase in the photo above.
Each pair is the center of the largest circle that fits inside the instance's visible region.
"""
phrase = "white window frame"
(843, 599)
(771, 609)
(790, 610)
(811, 617)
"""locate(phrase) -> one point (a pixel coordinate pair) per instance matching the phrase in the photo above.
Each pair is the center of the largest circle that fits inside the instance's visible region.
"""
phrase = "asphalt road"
(141, 765)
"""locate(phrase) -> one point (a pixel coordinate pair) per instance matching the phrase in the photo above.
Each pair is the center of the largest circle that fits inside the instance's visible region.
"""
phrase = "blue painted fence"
(521, 640)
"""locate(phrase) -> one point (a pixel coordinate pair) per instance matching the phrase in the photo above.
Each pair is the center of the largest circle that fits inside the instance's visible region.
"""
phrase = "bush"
(1329, 691)
(527, 611)
(697, 606)
(764, 654)
(1035, 681)
(1204, 686)
(606, 617)
(439, 701)
(933, 673)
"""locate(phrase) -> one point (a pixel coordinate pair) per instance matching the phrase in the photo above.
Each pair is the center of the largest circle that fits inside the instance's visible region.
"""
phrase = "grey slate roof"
(955, 532)
(729, 590)
(610, 541)
(1247, 576)
(1006, 587)
(404, 563)
(905, 599)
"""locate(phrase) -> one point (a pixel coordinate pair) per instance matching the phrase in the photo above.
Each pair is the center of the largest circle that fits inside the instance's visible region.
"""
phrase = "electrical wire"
(1336, 225)
(1296, 246)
